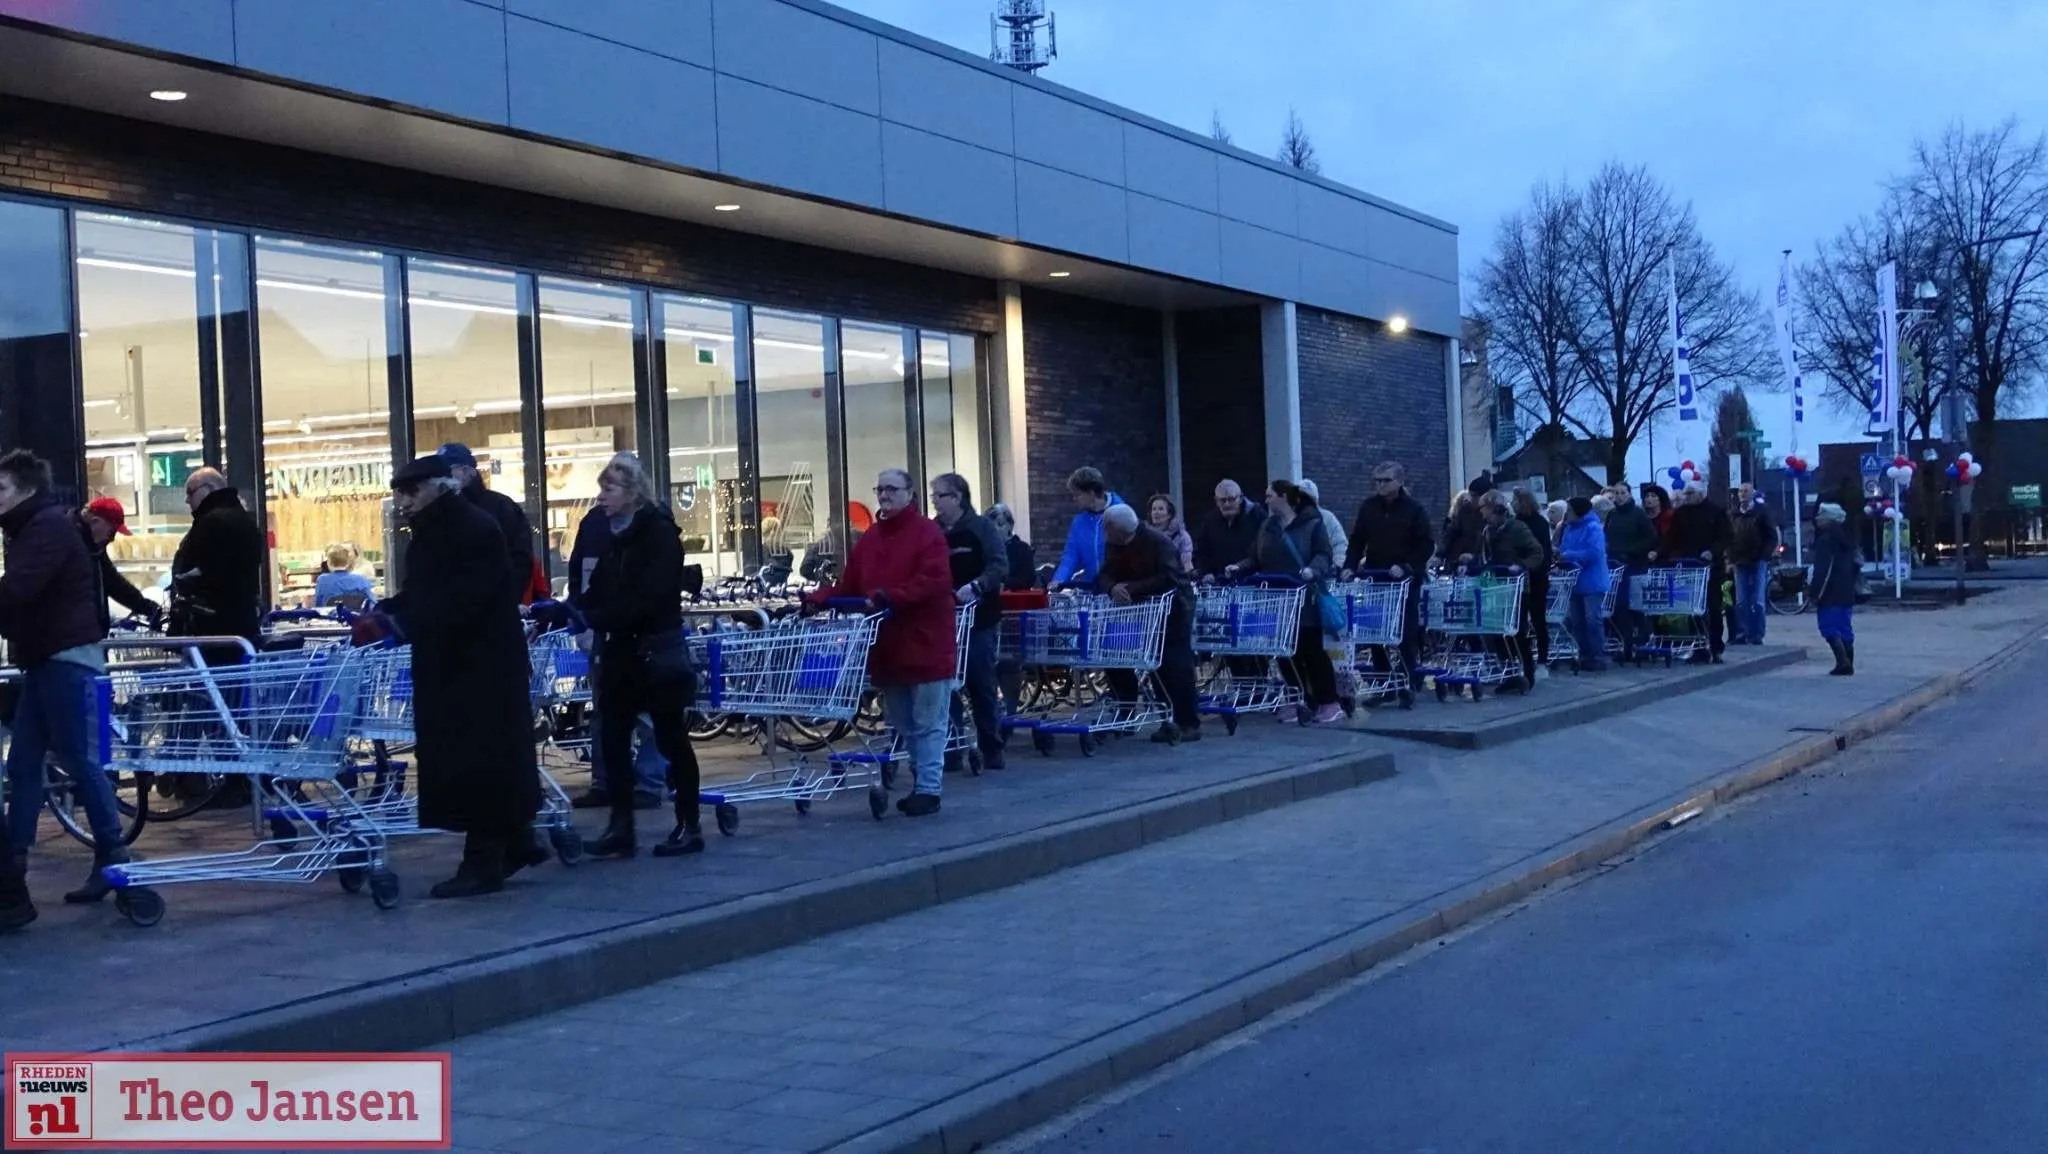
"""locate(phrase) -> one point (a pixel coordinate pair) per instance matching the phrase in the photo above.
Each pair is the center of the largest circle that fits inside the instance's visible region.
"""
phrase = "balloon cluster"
(1797, 468)
(1883, 508)
(1901, 471)
(1966, 469)
(1683, 475)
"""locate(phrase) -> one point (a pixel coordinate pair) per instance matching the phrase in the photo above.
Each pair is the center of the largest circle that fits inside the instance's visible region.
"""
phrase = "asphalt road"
(1855, 960)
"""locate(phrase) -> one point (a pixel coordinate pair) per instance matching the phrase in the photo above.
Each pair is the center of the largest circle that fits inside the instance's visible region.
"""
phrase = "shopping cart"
(1557, 610)
(1475, 622)
(1086, 634)
(796, 670)
(1617, 584)
(285, 721)
(1249, 629)
(1675, 599)
(1376, 622)
(962, 739)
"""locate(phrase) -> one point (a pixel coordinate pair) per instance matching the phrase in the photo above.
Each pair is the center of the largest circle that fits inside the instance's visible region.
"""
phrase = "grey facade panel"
(1169, 168)
(797, 51)
(791, 142)
(1332, 279)
(933, 178)
(576, 87)
(1255, 195)
(1072, 213)
(678, 29)
(1336, 221)
(202, 28)
(1174, 238)
(1265, 262)
(1069, 136)
(443, 55)
(928, 91)
(1412, 245)
(1427, 302)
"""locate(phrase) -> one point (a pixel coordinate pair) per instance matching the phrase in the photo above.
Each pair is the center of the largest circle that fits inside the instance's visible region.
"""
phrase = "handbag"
(666, 664)
(1329, 610)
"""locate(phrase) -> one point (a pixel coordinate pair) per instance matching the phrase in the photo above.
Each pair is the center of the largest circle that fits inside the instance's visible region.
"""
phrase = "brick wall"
(1222, 402)
(1095, 389)
(119, 163)
(1368, 396)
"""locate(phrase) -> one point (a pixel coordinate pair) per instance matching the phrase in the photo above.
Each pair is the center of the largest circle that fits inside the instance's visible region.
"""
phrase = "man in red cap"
(101, 520)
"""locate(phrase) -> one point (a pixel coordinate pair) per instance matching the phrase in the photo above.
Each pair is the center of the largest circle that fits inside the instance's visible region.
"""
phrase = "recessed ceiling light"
(725, 208)
(1397, 324)
(1061, 275)
(167, 95)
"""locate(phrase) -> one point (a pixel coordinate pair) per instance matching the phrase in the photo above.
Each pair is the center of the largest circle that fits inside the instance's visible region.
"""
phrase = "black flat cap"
(420, 469)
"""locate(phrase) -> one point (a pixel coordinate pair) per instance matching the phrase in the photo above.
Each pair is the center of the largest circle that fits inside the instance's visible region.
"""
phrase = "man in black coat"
(1226, 538)
(979, 562)
(1138, 564)
(472, 720)
(1700, 532)
(217, 572)
(1392, 535)
(506, 512)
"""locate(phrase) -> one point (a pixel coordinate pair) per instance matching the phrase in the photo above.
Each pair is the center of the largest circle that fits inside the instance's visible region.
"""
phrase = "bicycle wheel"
(186, 795)
(64, 804)
(710, 726)
(869, 721)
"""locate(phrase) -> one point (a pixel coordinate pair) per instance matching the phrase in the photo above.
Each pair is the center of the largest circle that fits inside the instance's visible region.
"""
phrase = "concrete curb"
(1048, 1088)
(432, 1006)
(1570, 713)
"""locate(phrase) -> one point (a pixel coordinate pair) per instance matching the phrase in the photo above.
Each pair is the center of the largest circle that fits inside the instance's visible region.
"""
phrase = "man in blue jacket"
(1083, 555)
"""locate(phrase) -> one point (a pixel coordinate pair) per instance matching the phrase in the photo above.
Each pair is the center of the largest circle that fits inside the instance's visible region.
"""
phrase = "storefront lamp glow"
(1397, 324)
(725, 208)
(167, 95)
(1061, 275)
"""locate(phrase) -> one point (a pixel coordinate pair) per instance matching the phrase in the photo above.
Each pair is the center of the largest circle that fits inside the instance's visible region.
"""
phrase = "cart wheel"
(1088, 745)
(728, 819)
(803, 805)
(1042, 742)
(1230, 724)
(1443, 692)
(567, 844)
(140, 905)
(878, 801)
(384, 889)
(351, 878)
(1477, 690)
(282, 829)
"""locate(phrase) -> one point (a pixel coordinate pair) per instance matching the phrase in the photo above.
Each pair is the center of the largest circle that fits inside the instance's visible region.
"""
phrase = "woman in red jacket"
(901, 565)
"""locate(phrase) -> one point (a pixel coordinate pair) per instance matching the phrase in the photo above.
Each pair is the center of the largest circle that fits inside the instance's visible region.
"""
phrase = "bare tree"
(1629, 227)
(1732, 416)
(1534, 304)
(1217, 132)
(1296, 150)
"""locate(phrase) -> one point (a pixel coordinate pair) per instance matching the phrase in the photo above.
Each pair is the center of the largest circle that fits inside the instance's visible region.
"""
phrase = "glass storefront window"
(138, 314)
(951, 398)
(35, 330)
(703, 432)
(465, 367)
(877, 433)
(326, 409)
(789, 405)
(587, 394)
(969, 424)
(935, 389)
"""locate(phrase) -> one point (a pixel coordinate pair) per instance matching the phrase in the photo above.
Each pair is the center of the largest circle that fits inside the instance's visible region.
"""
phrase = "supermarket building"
(770, 245)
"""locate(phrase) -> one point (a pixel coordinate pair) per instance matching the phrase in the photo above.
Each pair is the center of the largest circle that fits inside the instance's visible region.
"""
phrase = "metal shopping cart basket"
(1617, 584)
(1475, 623)
(813, 671)
(286, 721)
(1094, 634)
(1249, 629)
(1557, 611)
(962, 739)
(1376, 622)
(1675, 599)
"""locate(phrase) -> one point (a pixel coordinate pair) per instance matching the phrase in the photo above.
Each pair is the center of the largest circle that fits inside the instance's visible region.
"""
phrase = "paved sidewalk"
(969, 1018)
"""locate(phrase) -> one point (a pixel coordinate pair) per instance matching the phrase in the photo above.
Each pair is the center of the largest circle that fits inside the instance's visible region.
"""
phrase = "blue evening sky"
(1778, 119)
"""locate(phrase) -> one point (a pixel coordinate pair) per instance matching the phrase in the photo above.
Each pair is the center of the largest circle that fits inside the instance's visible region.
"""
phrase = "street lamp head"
(1926, 291)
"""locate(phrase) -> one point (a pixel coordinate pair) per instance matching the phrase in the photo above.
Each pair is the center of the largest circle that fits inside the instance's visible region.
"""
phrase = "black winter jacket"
(1225, 542)
(1836, 565)
(511, 521)
(1699, 528)
(1023, 570)
(1389, 533)
(224, 554)
(637, 588)
(977, 557)
(49, 595)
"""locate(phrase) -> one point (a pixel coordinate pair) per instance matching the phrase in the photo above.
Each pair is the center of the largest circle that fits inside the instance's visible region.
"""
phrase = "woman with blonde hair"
(339, 583)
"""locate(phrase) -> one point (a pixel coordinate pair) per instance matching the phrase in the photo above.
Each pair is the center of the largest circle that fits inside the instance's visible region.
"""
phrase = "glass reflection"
(703, 432)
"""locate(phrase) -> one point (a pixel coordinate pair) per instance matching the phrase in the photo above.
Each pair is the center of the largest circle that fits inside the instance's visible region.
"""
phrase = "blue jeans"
(1836, 623)
(918, 715)
(650, 772)
(1583, 618)
(52, 716)
(1751, 580)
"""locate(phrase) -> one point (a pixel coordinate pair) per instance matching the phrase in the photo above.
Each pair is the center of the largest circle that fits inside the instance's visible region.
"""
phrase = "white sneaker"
(1287, 714)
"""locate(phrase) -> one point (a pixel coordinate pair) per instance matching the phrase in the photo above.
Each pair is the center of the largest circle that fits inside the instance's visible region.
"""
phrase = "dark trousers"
(1411, 636)
(620, 702)
(1535, 623)
(982, 689)
(13, 883)
(1176, 671)
(1717, 629)
(1310, 670)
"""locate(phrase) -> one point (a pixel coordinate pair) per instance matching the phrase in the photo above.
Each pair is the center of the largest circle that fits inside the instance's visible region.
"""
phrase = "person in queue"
(1699, 535)
(1227, 538)
(1506, 543)
(1082, 558)
(472, 719)
(1584, 544)
(101, 521)
(1293, 541)
(594, 539)
(1020, 575)
(1752, 544)
(979, 563)
(217, 571)
(1340, 541)
(633, 603)
(1536, 599)
(52, 614)
(338, 582)
(1140, 563)
(1632, 542)
(504, 511)
(1660, 509)
(1391, 535)
(1836, 563)
(1459, 541)
(1164, 516)
(901, 566)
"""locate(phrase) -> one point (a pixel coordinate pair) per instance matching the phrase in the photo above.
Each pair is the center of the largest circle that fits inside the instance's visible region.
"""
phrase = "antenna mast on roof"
(1013, 35)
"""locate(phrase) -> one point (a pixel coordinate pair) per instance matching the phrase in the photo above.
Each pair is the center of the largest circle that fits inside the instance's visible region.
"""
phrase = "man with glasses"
(1227, 537)
(217, 572)
(1392, 536)
(979, 564)
(901, 565)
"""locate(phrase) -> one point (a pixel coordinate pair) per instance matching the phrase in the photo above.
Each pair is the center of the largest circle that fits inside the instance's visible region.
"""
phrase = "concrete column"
(1007, 400)
(1278, 341)
(1173, 447)
(1454, 409)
